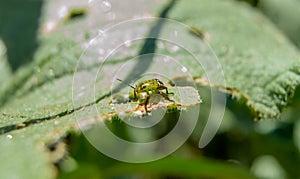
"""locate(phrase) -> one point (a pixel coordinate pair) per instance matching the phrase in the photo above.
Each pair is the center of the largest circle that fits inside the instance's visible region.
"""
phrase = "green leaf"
(18, 29)
(283, 15)
(4, 67)
(25, 156)
(259, 63)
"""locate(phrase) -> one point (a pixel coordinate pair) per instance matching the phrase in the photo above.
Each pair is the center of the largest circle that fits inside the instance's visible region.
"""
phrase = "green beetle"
(144, 90)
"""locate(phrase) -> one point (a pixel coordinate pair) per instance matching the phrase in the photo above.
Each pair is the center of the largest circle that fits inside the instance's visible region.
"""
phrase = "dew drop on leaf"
(127, 43)
(9, 137)
(183, 69)
(62, 12)
(166, 59)
(174, 48)
(101, 51)
(106, 6)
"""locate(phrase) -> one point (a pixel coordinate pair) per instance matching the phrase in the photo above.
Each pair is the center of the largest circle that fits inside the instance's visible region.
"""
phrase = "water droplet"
(138, 113)
(160, 45)
(175, 33)
(9, 137)
(127, 43)
(101, 51)
(100, 59)
(174, 48)
(207, 37)
(106, 6)
(28, 109)
(49, 26)
(112, 106)
(56, 122)
(184, 69)
(93, 41)
(62, 12)
(166, 59)
(79, 95)
(122, 114)
(111, 16)
(82, 87)
(100, 32)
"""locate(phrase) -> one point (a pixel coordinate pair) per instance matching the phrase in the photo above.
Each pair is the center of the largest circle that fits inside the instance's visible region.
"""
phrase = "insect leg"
(165, 88)
(134, 93)
(146, 103)
(166, 96)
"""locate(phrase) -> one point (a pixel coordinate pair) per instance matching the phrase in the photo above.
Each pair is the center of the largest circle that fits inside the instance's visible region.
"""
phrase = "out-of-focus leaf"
(258, 61)
(19, 23)
(267, 167)
(4, 67)
(198, 167)
(284, 14)
(27, 152)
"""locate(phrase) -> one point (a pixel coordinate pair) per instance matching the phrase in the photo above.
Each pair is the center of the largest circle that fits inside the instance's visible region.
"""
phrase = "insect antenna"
(126, 83)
